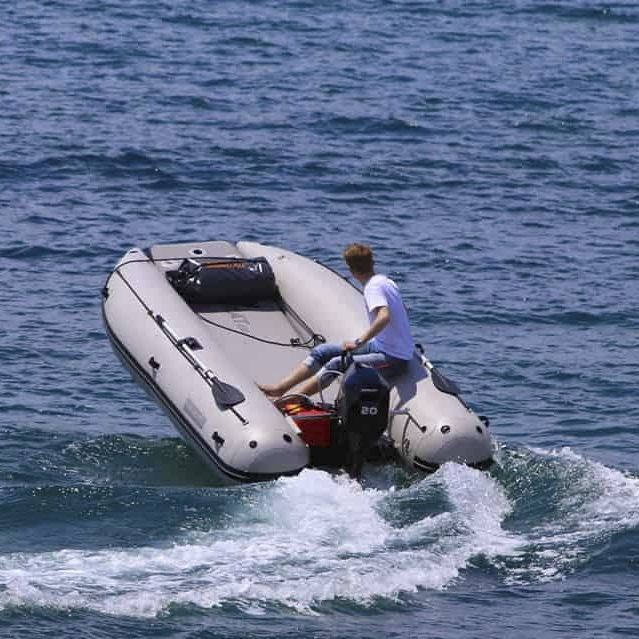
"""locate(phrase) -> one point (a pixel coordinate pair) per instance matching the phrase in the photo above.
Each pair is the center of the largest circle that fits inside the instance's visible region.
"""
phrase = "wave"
(298, 543)
(58, 461)
(623, 13)
(310, 542)
(571, 507)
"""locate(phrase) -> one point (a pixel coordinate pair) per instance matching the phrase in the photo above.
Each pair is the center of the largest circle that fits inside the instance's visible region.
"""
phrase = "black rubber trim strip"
(193, 436)
(483, 465)
(420, 464)
(427, 467)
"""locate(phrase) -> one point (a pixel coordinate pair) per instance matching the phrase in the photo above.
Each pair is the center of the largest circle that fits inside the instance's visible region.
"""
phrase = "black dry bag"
(225, 281)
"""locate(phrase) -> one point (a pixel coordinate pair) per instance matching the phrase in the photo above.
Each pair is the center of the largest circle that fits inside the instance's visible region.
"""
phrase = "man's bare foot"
(270, 390)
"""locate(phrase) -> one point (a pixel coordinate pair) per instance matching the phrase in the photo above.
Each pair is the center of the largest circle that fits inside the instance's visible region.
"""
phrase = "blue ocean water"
(489, 151)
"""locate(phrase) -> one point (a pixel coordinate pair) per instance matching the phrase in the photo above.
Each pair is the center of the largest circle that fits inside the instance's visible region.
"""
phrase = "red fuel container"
(315, 425)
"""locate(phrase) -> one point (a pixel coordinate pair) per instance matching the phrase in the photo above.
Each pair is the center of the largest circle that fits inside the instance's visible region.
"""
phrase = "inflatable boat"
(200, 325)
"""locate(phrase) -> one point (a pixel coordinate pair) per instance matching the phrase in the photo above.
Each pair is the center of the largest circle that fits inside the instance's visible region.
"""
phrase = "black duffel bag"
(228, 280)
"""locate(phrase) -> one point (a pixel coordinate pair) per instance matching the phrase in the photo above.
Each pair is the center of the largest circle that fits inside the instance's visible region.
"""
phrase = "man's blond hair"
(359, 258)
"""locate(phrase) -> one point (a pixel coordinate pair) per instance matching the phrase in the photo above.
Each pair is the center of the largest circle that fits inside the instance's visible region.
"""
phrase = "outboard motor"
(362, 406)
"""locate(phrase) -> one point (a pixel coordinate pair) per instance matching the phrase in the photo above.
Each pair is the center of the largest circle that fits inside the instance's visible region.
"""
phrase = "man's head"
(359, 258)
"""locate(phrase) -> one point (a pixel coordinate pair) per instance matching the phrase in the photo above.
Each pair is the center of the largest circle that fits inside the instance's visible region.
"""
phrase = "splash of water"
(306, 541)
(299, 542)
(591, 503)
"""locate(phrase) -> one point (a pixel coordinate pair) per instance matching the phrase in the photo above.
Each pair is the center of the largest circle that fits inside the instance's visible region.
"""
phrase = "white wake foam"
(298, 542)
(593, 503)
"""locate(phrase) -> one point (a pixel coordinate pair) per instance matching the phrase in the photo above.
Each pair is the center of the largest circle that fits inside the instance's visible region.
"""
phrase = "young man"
(387, 344)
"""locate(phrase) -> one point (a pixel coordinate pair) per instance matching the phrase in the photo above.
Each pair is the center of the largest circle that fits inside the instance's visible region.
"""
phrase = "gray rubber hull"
(148, 324)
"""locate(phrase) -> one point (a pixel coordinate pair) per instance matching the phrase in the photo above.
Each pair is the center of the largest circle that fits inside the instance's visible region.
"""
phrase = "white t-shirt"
(395, 339)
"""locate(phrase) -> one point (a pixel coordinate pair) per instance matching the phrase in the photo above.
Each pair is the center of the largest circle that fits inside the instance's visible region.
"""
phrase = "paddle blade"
(444, 384)
(226, 396)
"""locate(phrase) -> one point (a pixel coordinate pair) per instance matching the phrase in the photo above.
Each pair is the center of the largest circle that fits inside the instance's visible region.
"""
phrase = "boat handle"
(410, 418)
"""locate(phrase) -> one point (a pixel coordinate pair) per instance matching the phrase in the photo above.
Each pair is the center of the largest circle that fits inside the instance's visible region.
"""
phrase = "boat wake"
(309, 542)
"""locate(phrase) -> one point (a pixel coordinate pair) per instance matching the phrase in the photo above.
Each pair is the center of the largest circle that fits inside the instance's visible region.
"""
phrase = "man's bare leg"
(296, 376)
(310, 387)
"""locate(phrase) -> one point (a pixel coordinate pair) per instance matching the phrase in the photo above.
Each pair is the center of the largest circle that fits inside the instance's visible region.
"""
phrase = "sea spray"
(298, 542)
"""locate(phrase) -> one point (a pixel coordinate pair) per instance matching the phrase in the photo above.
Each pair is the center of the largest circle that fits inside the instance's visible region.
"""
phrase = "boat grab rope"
(181, 345)
(295, 342)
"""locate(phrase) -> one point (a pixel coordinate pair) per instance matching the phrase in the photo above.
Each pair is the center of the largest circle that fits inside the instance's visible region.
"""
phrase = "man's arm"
(382, 317)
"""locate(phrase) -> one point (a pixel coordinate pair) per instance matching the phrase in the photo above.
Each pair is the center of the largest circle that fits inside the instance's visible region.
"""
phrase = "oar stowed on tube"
(440, 382)
(226, 395)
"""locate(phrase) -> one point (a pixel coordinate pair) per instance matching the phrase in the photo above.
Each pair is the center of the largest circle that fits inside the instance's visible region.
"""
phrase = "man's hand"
(382, 318)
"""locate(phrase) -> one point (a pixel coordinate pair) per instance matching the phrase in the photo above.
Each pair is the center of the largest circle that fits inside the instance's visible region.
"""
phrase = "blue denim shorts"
(328, 357)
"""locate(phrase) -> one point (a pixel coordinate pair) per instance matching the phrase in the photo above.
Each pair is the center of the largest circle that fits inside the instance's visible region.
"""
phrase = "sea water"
(488, 151)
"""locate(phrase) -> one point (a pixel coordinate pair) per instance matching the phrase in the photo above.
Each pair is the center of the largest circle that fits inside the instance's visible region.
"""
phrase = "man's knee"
(334, 364)
(321, 355)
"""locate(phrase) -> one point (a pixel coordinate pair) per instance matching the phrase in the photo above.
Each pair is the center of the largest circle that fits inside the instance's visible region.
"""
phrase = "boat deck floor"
(262, 339)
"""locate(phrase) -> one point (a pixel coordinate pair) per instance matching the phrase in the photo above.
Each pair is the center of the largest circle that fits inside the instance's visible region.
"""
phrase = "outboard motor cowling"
(362, 405)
